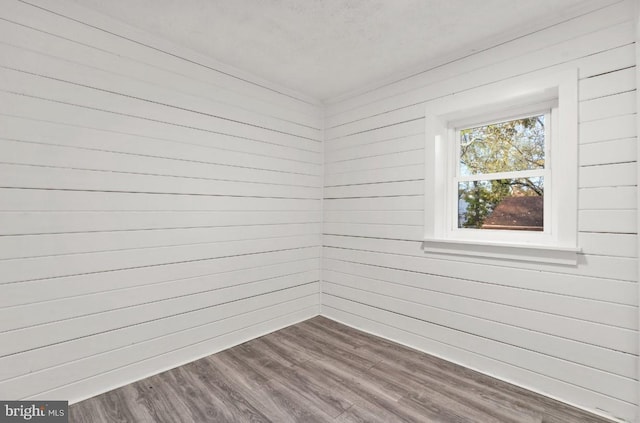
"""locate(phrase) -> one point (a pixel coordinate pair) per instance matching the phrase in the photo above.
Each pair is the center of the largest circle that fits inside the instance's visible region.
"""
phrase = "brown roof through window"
(517, 213)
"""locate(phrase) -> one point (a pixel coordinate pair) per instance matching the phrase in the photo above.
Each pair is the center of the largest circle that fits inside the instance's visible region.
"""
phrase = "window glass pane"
(515, 204)
(503, 147)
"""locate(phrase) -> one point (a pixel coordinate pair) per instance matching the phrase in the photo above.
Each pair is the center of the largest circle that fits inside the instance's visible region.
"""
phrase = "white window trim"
(558, 243)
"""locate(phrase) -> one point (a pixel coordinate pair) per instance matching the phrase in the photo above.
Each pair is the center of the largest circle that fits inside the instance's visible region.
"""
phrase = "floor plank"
(320, 371)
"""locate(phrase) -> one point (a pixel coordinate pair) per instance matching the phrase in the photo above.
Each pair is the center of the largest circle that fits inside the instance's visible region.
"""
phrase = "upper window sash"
(543, 109)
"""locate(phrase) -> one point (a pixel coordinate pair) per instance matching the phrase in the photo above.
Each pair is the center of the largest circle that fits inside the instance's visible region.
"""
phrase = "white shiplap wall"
(569, 332)
(155, 206)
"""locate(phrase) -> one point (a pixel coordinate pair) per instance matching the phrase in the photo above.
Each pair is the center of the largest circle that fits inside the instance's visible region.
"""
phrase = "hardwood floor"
(323, 371)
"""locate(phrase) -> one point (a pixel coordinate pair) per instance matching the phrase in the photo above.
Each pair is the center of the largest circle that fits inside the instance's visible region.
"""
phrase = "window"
(502, 172)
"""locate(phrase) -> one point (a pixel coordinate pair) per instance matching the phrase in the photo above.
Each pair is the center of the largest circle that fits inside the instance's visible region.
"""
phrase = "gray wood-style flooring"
(323, 371)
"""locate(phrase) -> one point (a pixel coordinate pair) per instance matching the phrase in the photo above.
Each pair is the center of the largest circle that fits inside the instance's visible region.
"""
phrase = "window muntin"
(501, 171)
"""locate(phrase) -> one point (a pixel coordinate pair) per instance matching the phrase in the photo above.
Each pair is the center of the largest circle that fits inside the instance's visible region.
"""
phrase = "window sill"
(550, 254)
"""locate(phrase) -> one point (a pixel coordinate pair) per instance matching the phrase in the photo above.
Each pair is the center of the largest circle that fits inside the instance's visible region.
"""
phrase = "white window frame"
(505, 100)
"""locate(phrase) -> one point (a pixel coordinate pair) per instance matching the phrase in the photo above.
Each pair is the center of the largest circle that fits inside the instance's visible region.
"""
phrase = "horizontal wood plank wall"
(155, 206)
(571, 333)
